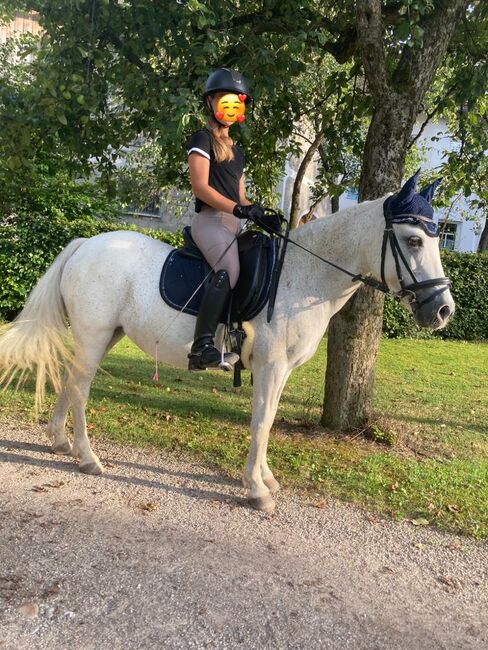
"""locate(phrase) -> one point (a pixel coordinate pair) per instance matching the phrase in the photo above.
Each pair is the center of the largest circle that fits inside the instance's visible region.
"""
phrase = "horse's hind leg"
(90, 350)
(56, 429)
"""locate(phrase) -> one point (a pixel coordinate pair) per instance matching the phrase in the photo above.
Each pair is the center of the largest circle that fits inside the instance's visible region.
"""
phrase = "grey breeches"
(213, 231)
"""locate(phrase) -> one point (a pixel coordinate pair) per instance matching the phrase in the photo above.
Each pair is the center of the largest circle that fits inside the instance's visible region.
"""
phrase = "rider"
(216, 174)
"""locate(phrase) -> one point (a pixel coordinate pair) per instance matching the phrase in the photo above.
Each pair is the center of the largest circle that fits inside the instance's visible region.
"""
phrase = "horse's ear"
(428, 192)
(405, 195)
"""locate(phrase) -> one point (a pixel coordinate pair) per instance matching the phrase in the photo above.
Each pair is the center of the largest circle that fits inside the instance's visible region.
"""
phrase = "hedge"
(468, 273)
(30, 242)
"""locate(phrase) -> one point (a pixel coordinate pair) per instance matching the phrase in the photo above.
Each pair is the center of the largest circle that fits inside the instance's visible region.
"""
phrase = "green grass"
(432, 406)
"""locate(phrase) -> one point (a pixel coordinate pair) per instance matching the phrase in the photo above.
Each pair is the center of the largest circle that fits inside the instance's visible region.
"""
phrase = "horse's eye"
(415, 242)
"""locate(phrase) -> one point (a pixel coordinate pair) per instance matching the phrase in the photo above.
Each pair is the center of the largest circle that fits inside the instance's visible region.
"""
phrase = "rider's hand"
(251, 212)
(271, 223)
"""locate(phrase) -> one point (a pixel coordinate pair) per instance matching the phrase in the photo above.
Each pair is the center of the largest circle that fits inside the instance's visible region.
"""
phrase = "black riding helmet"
(226, 79)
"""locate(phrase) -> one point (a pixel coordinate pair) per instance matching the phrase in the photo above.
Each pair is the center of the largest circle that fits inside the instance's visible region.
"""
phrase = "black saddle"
(185, 269)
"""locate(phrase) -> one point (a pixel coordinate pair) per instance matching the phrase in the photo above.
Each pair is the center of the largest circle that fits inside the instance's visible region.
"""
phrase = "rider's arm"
(199, 167)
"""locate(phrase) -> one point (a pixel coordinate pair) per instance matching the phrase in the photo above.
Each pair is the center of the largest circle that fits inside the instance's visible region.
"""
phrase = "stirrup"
(228, 360)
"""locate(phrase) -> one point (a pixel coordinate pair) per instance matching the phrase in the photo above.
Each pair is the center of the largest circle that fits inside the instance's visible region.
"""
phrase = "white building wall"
(22, 23)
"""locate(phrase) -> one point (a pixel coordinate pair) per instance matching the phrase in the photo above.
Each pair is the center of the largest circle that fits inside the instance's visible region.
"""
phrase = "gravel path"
(163, 553)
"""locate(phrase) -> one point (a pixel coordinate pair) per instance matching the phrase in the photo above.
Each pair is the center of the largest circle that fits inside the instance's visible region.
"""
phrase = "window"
(447, 235)
(151, 209)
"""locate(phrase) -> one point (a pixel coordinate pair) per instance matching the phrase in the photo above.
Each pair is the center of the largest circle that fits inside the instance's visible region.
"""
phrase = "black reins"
(407, 291)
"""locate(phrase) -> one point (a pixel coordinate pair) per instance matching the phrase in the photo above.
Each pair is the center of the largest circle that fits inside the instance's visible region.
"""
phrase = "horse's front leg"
(268, 384)
(268, 476)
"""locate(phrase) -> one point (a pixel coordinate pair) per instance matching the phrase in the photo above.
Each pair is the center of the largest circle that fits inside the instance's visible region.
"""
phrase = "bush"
(468, 273)
(29, 243)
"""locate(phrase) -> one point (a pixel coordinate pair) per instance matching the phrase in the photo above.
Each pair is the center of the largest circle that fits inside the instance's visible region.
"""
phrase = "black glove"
(251, 212)
(270, 223)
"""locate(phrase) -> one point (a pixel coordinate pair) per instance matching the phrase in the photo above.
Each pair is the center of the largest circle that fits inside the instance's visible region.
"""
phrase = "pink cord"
(156, 375)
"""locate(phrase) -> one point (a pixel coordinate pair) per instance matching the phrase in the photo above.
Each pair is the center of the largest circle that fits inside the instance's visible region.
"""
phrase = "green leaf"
(403, 30)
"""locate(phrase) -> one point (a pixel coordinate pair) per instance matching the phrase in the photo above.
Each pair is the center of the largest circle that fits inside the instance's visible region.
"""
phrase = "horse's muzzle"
(433, 308)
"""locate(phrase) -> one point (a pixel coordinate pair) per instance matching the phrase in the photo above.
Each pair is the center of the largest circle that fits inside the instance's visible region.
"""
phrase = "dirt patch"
(160, 552)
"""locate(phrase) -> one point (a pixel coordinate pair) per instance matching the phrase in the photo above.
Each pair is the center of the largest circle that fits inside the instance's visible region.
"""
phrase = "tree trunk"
(483, 245)
(354, 333)
(334, 203)
(351, 361)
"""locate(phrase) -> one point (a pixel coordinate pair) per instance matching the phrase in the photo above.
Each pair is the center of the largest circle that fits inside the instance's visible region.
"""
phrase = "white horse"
(108, 286)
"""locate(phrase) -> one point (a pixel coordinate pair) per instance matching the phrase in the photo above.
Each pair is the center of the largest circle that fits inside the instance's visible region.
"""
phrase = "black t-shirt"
(223, 176)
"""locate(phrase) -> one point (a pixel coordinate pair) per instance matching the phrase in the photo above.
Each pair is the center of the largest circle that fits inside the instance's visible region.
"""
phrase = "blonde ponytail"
(221, 144)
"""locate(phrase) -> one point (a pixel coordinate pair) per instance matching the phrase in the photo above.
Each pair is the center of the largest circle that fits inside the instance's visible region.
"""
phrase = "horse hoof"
(94, 469)
(63, 449)
(272, 484)
(264, 504)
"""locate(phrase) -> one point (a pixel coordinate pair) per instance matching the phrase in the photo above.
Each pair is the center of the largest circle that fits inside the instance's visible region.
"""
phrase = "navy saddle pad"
(185, 268)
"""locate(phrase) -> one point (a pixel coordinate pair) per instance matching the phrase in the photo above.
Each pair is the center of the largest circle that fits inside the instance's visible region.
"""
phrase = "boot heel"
(194, 365)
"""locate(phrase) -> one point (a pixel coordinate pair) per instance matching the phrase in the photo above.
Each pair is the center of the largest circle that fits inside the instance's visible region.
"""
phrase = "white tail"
(37, 336)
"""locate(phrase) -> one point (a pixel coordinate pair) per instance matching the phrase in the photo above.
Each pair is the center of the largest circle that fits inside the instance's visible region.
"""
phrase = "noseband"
(408, 291)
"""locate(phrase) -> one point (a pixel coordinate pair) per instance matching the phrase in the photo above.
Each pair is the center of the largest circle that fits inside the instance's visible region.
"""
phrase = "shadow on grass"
(448, 423)
(69, 466)
(118, 366)
(176, 405)
(197, 400)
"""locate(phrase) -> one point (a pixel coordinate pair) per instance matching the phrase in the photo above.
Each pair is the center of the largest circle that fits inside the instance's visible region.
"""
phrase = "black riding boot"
(203, 352)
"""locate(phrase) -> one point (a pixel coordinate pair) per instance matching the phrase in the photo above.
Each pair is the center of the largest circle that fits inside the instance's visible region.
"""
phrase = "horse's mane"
(348, 215)
(350, 212)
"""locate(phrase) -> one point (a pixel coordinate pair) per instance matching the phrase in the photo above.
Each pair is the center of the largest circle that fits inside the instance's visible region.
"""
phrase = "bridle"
(408, 291)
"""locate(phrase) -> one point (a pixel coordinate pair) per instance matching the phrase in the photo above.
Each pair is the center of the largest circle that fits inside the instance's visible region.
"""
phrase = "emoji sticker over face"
(231, 108)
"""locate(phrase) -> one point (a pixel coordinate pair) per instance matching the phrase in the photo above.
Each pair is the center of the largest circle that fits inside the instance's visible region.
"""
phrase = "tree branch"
(346, 44)
(370, 44)
(342, 42)
(308, 215)
(297, 185)
(300, 135)
(416, 68)
(130, 55)
(430, 115)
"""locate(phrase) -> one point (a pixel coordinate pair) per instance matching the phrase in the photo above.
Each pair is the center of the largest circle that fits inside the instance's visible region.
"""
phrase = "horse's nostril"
(444, 312)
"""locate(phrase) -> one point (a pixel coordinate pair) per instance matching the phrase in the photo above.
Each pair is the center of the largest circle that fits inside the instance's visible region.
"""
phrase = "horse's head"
(411, 263)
